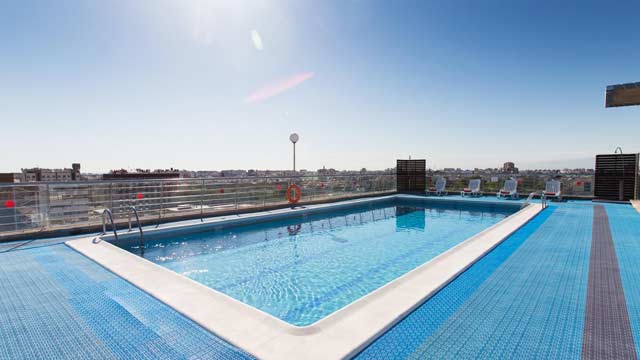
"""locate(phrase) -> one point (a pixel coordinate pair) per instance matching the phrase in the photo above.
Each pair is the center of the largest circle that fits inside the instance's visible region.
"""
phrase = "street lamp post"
(294, 139)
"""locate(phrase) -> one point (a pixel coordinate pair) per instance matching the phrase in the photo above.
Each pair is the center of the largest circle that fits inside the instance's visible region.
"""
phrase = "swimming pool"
(302, 268)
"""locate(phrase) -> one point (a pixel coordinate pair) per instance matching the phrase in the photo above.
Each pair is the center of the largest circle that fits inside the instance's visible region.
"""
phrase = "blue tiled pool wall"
(476, 204)
(300, 222)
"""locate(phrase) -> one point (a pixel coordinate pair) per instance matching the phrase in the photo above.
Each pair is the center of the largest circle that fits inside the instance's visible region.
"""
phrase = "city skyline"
(587, 163)
(257, 171)
(214, 85)
(535, 165)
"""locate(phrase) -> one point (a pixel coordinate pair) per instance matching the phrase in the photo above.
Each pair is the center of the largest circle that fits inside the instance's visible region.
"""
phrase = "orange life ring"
(296, 197)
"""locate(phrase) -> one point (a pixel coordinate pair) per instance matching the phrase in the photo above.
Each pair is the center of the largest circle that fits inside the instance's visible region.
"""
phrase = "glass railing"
(34, 207)
(572, 185)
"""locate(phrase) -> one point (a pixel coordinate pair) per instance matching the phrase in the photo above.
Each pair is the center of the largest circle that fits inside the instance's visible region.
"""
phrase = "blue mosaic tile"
(57, 304)
(525, 299)
(625, 230)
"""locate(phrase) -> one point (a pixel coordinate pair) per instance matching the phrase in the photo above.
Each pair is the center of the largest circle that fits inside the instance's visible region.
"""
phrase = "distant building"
(51, 175)
(233, 173)
(186, 174)
(10, 178)
(207, 173)
(75, 175)
(325, 171)
(509, 167)
(123, 174)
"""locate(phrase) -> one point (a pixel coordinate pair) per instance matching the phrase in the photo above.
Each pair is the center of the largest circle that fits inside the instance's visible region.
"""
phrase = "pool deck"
(550, 290)
(341, 334)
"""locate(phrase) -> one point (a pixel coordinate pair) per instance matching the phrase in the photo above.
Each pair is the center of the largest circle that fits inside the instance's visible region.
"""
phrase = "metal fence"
(34, 207)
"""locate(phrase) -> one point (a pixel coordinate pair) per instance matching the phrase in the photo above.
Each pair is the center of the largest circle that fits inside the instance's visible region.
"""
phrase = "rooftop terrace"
(565, 285)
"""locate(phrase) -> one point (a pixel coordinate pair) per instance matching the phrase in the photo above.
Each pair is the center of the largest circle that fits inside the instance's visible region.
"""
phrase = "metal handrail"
(543, 198)
(529, 198)
(104, 223)
(135, 212)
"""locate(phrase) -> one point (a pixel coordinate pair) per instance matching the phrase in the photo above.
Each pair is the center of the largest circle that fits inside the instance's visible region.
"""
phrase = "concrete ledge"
(340, 335)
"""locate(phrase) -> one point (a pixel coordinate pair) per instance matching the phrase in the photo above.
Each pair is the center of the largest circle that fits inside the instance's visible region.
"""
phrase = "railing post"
(264, 193)
(312, 190)
(15, 208)
(46, 209)
(111, 196)
(236, 195)
(161, 200)
(202, 201)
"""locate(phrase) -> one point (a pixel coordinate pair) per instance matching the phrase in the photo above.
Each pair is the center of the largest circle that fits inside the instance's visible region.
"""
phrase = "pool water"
(304, 268)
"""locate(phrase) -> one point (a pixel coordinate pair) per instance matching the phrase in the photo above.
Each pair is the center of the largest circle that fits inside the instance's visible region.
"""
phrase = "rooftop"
(538, 294)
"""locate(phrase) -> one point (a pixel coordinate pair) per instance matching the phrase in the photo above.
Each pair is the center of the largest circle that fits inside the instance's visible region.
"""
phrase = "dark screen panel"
(623, 95)
(411, 175)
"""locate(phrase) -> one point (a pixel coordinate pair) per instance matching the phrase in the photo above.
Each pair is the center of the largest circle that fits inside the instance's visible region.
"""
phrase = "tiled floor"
(525, 299)
(55, 303)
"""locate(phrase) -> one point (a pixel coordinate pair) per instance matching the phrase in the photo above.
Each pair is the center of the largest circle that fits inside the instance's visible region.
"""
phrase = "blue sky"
(159, 83)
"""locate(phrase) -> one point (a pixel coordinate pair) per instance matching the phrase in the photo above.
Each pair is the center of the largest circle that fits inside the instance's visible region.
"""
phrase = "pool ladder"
(135, 212)
(543, 197)
(131, 209)
(106, 212)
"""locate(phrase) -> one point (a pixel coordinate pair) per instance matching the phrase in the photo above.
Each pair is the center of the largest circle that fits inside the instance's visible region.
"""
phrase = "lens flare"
(256, 39)
(278, 87)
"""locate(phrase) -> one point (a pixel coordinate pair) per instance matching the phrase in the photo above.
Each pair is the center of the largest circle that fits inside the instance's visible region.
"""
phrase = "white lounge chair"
(473, 189)
(438, 190)
(553, 189)
(509, 190)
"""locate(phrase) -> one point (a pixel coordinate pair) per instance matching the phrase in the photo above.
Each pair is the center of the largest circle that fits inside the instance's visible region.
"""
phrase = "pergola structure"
(617, 175)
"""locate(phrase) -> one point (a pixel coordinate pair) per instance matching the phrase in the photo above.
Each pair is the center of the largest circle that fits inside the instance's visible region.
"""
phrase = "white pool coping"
(341, 334)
